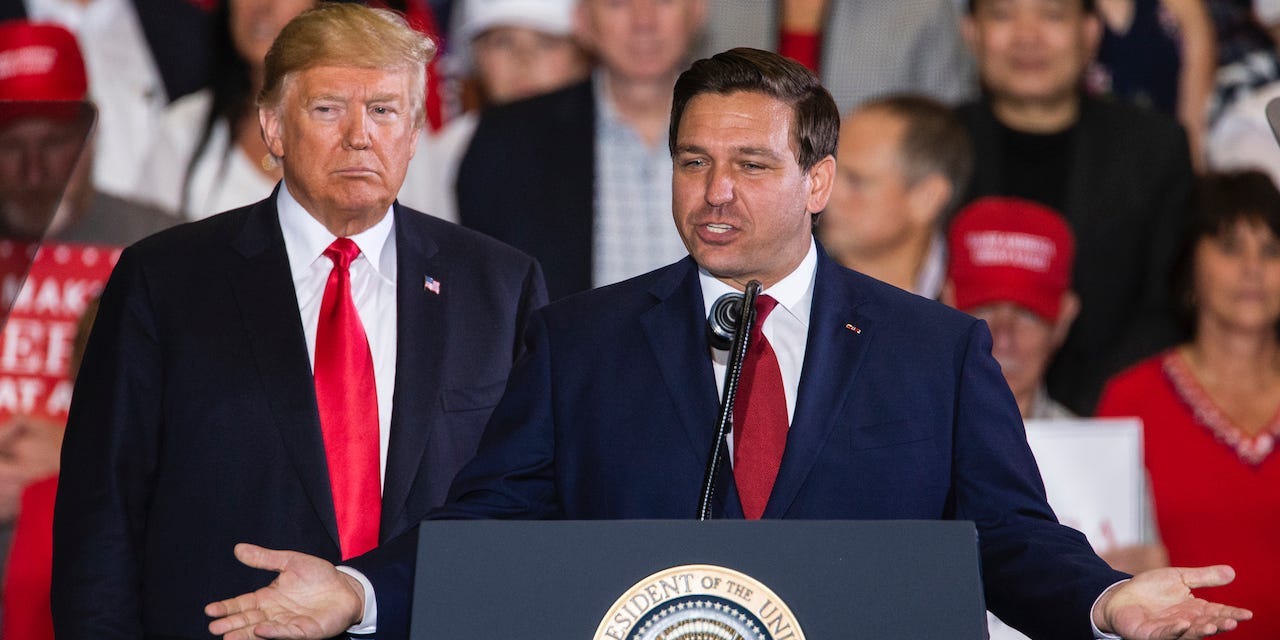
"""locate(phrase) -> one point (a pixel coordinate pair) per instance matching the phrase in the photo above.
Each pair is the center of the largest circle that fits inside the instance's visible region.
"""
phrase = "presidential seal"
(699, 602)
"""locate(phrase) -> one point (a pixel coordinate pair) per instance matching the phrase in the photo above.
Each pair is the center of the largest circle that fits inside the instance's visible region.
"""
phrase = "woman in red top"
(1211, 406)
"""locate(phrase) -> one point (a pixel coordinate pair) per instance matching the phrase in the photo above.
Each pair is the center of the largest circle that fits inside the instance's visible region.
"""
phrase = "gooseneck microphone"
(728, 327)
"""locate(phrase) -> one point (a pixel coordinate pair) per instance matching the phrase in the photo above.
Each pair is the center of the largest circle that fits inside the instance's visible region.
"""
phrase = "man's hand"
(310, 599)
(1158, 604)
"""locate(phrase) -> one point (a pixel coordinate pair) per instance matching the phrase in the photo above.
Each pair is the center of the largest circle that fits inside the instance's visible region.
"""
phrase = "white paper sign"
(1094, 479)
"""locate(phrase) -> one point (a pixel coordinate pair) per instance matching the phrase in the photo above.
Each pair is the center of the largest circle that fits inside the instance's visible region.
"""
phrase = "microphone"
(732, 316)
(722, 324)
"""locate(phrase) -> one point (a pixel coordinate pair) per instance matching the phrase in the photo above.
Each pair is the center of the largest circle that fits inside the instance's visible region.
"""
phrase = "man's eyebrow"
(326, 97)
(758, 151)
(763, 152)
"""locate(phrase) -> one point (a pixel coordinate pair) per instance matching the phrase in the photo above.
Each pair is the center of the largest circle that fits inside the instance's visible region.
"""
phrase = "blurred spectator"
(27, 580)
(859, 49)
(1009, 263)
(209, 155)
(507, 50)
(581, 178)
(1211, 406)
(140, 55)
(902, 166)
(1159, 54)
(1118, 174)
(45, 189)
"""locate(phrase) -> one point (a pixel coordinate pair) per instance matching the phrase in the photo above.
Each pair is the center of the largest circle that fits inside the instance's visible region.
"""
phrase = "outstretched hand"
(1158, 604)
(309, 599)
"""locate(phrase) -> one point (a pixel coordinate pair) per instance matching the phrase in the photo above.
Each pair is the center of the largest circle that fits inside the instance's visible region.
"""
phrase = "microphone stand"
(732, 374)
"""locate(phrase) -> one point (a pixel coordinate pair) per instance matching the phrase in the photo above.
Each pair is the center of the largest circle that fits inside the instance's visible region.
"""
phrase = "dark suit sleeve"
(513, 473)
(1039, 576)
(108, 461)
(390, 567)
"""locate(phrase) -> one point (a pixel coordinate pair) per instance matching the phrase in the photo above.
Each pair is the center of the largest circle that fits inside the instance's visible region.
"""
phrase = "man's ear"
(927, 198)
(969, 31)
(1067, 312)
(272, 130)
(1091, 35)
(583, 31)
(821, 175)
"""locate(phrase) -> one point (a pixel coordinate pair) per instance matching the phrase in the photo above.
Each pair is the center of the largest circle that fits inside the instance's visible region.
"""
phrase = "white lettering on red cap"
(1011, 249)
(27, 61)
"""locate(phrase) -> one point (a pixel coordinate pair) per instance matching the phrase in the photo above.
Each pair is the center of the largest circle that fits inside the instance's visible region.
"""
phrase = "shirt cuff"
(369, 620)
(1097, 633)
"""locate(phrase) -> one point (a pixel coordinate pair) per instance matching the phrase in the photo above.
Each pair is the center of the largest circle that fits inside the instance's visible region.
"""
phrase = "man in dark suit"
(1120, 176)
(239, 385)
(893, 406)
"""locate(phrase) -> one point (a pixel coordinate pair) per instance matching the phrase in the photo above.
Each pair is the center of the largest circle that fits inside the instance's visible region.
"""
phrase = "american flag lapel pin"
(431, 284)
(853, 329)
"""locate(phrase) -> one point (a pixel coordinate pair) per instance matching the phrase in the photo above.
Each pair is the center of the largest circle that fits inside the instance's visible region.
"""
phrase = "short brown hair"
(351, 35)
(933, 141)
(815, 122)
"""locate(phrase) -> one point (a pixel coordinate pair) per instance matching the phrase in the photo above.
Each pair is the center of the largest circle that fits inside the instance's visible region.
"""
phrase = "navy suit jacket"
(194, 423)
(611, 412)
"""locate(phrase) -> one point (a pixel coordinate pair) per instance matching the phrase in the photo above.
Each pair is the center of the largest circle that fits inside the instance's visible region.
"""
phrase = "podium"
(684, 579)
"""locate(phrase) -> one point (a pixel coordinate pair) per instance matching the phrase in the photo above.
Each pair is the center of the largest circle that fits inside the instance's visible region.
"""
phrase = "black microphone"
(732, 316)
(722, 324)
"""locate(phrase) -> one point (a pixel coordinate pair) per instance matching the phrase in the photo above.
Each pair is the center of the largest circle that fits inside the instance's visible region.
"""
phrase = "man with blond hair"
(310, 370)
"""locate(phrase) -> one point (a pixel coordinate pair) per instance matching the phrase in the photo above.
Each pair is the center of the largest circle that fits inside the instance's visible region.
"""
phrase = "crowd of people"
(1094, 179)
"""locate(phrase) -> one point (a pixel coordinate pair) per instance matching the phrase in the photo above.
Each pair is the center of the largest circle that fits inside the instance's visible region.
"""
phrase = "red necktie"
(759, 418)
(348, 402)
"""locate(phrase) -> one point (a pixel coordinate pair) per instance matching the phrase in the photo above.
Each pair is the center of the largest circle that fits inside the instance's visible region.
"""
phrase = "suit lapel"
(421, 327)
(674, 328)
(833, 355)
(262, 284)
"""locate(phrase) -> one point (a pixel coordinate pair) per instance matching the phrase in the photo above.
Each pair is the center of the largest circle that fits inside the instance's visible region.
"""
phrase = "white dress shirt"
(786, 328)
(373, 288)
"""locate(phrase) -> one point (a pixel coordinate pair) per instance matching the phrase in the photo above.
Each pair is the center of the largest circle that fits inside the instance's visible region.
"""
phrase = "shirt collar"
(305, 239)
(793, 293)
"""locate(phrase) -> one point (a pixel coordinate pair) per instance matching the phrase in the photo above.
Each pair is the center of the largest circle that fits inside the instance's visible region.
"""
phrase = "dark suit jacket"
(194, 423)
(178, 33)
(1126, 200)
(528, 179)
(610, 415)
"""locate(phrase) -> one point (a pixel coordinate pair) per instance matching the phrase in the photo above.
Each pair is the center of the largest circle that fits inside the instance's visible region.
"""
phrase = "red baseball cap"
(40, 63)
(1010, 250)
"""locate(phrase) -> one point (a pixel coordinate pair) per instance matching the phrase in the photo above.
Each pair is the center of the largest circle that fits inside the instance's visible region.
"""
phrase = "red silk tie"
(348, 402)
(759, 418)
